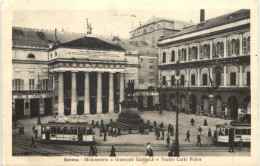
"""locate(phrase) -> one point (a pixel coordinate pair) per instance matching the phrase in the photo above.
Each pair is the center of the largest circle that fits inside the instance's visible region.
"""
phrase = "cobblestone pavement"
(133, 144)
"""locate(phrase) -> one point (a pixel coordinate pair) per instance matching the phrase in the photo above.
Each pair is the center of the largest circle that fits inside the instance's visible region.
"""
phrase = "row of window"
(145, 31)
(70, 130)
(233, 79)
(204, 50)
(142, 80)
(18, 84)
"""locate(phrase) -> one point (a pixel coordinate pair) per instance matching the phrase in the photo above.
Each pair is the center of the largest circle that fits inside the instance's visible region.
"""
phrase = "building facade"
(214, 67)
(65, 73)
(155, 28)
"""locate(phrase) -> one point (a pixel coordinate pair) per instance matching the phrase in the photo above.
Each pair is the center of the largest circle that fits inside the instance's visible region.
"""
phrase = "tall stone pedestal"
(129, 117)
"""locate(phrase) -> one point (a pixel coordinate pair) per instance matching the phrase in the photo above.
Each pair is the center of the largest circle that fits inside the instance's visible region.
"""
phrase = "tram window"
(58, 130)
(53, 129)
(71, 130)
(66, 131)
(244, 131)
(90, 131)
(75, 130)
(84, 130)
(61, 130)
(249, 131)
(226, 131)
(238, 132)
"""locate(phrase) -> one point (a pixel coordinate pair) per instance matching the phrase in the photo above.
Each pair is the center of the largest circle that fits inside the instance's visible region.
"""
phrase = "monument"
(129, 119)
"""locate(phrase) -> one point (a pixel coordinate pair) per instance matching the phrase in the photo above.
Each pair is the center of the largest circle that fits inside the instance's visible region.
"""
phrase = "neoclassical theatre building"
(65, 74)
(213, 52)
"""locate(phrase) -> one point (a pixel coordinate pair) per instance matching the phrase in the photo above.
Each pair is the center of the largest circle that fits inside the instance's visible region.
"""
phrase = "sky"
(104, 22)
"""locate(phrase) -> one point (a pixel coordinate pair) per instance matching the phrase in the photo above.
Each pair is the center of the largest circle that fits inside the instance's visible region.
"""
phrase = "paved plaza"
(130, 144)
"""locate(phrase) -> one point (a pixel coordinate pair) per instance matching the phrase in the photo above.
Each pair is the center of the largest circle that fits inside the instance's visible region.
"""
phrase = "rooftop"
(214, 22)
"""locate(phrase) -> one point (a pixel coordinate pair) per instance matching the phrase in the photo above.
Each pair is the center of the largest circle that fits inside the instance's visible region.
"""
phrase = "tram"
(234, 130)
(67, 132)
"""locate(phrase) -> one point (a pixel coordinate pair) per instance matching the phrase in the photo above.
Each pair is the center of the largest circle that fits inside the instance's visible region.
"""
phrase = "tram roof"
(236, 125)
(66, 124)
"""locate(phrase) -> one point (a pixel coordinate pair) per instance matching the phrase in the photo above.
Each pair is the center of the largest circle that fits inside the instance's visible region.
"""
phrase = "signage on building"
(93, 54)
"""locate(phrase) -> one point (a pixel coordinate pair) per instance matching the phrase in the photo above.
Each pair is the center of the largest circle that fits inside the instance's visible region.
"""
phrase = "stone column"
(240, 76)
(187, 107)
(121, 93)
(187, 55)
(111, 93)
(198, 53)
(86, 100)
(99, 93)
(225, 47)
(211, 49)
(198, 77)
(211, 74)
(73, 94)
(240, 44)
(188, 75)
(61, 95)
(225, 76)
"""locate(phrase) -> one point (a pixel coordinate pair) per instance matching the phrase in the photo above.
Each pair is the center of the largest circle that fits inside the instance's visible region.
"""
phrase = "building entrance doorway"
(47, 107)
(140, 102)
(193, 104)
(80, 107)
(34, 108)
(150, 102)
(19, 109)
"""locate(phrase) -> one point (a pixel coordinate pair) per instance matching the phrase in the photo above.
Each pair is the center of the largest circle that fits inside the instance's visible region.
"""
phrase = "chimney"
(202, 15)
(56, 35)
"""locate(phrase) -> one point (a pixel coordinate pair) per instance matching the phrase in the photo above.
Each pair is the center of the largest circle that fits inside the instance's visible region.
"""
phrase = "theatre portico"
(88, 77)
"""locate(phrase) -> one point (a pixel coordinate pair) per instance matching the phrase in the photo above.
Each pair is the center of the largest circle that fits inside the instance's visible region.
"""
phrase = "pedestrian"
(198, 140)
(231, 146)
(170, 153)
(169, 129)
(158, 134)
(205, 122)
(112, 132)
(90, 150)
(173, 145)
(162, 134)
(33, 128)
(200, 129)
(113, 152)
(150, 152)
(215, 135)
(172, 131)
(240, 144)
(188, 136)
(36, 133)
(209, 134)
(100, 131)
(154, 123)
(192, 121)
(94, 151)
(168, 140)
(155, 131)
(115, 133)
(118, 132)
(148, 147)
(32, 143)
(105, 135)
(22, 129)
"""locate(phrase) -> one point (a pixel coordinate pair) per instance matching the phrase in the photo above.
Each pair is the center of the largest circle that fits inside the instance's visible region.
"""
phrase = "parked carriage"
(67, 132)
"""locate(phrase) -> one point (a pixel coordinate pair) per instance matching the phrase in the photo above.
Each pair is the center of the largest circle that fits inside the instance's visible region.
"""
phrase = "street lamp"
(177, 83)
(39, 88)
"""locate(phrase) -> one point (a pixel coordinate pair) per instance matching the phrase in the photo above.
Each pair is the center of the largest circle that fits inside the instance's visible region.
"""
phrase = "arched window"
(183, 54)
(248, 43)
(173, 56)
(206, 50)
(194, 53)
(220, 49)
(164, 57)
(234, 46)
(31, 56)
(145, 31)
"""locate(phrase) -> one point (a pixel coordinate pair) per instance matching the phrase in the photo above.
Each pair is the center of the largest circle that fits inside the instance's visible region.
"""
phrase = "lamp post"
(178, 83)
(38, 90)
